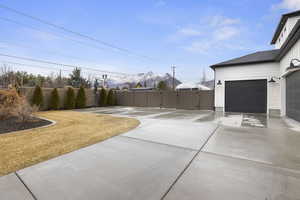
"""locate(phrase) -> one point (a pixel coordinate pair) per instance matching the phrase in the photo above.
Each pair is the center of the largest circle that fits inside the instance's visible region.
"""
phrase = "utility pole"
(60, 85)
(96, 84)
(203, 77)
(173, 70)
(104, 76)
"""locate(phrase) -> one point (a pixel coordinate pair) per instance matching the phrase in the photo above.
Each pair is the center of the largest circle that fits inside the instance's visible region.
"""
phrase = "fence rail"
(193, 100)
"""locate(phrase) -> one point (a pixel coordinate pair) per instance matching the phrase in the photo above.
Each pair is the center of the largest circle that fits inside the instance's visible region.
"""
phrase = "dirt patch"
(13, 124)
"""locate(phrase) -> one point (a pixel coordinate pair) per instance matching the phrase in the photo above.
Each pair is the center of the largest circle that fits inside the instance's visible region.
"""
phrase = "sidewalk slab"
(179, 133)
(11, 188)
(279, 147)
(118, 168)
(213, 177)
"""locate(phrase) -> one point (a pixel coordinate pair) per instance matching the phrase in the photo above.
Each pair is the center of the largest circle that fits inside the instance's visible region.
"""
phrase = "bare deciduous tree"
(7, 76)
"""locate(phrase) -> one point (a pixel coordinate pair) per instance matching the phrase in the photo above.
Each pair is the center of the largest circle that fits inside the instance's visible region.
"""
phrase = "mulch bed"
(13, 124)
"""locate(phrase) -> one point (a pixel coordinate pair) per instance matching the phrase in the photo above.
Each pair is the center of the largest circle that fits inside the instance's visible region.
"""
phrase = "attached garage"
(247, 96)
(293, 95)
(242, 84)
(265, 81)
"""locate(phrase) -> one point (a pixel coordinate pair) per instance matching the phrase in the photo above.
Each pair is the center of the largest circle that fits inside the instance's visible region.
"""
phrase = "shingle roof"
(258, 57)
(281, 24)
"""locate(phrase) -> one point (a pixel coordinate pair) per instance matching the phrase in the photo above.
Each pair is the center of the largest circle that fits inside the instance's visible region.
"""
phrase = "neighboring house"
(142, 89)
(191, 86)
(210, 84)
(266, 81)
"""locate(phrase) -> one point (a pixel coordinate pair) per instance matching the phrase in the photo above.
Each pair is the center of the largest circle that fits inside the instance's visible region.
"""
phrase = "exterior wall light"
(292, 65)
(219, 82)
(272, 79)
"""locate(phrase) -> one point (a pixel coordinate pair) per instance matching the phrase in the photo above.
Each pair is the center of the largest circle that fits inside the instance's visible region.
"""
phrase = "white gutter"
(285, 74)
(289, 72)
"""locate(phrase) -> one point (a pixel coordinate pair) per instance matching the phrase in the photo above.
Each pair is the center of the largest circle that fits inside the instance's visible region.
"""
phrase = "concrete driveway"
(173, 154)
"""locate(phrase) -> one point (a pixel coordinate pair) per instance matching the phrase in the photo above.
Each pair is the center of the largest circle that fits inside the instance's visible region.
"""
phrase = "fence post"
(133, 98)
(177, 99)
(161, 99)
(147, 99)
(199, 96)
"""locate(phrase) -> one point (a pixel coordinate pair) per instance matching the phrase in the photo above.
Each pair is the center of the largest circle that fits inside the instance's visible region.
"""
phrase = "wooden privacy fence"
(193, 100)
(28, 92)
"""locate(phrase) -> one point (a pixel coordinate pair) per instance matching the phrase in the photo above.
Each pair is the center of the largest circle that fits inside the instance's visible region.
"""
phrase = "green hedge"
(110, 98)
(37, 98)
(81, 98)
(70, 99)
(54, 100)
(103, 97)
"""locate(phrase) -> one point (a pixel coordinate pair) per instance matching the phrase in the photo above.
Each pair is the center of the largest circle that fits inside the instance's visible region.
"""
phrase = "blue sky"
(190, 34)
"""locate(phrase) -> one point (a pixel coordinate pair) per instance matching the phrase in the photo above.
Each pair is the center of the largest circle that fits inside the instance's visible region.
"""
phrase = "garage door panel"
(293, 95)
(246, 96)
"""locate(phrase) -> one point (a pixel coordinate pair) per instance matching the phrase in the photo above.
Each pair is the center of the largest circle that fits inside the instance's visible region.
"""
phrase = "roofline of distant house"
(281, 24)
(288, 44)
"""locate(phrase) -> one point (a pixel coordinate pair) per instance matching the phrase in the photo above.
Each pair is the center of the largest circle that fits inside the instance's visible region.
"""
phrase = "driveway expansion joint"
(159, 143)
(27, 188)
(254, 162)
(189, 163)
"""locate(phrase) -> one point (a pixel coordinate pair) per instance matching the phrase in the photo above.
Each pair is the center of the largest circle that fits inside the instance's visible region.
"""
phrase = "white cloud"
(199, 47)
(288, 4)
(219, 20)
(216, 32)
(213, 35)
(222, 27)
(185, 33)
(225, 33)
(160, 3)
(207, 47)
(189, 32)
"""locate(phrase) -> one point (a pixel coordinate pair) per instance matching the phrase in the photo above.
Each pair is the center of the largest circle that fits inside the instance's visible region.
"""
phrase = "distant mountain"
(146, 79)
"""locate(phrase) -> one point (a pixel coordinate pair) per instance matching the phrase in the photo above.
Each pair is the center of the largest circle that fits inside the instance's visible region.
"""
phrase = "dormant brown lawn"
(72, 131)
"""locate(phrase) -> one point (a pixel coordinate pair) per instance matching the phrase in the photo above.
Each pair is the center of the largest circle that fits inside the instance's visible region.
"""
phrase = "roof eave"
(290, 42)
(245, 63)
(279, 29)
(282, 21)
